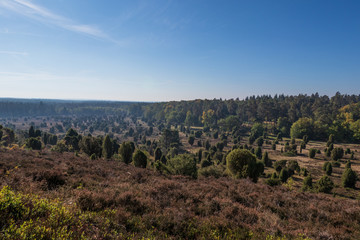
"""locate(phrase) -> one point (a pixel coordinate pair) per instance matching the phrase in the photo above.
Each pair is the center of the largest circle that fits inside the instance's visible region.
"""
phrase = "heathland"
(281, 167)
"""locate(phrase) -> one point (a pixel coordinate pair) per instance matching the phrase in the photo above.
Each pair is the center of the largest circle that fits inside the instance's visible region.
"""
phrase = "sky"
(164, 50)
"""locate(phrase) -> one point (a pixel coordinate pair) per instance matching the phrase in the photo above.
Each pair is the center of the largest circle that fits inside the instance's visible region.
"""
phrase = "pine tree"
(199, 155)
(258, 153)
(126, 151)
(31, 132)
(266, 160)
(328, 170)
(107, 147)
(158, 154)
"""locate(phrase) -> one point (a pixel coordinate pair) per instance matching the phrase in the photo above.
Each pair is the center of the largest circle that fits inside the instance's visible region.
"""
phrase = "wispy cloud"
(14, 53)
(31, 10)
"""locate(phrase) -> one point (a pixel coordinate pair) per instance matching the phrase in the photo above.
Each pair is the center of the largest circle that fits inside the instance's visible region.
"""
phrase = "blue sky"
(163, 50)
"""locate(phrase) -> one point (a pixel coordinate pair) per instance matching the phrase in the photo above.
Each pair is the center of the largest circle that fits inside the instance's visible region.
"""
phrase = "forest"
(220, 169)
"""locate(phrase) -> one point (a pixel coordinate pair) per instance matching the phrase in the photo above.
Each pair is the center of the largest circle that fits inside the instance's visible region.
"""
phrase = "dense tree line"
(26, 107)
(313, 116)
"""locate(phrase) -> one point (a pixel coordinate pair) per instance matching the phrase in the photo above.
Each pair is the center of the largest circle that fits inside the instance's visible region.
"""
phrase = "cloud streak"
(29, 9)
(14, 53)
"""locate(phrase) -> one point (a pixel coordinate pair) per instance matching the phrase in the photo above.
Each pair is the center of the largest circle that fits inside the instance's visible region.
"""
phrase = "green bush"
(273, 182)
(291, 153)
(140, 159)
(266, 160)
(324, 184)
(273, 146)
(329, 149)
(126, 150)
(211, 171)
(328, 170)
(307, 183)
(293, 166)
(304, 172)
(33, 143)
(183, 164)
(337, 153)
(259, 141)
(258, 152)
(312, 152)
(280, 164)
(325, 165)
(284, 175)
(161, 167)
(242, 163)
(205, 163)
(349, 178)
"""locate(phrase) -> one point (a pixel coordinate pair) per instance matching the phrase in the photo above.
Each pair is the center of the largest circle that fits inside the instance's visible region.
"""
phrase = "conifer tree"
(266, 160)
(349, 178)
(140, 159)
(107, 147)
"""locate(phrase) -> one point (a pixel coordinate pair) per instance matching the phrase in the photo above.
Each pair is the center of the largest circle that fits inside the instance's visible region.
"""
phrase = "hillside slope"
(145, 203)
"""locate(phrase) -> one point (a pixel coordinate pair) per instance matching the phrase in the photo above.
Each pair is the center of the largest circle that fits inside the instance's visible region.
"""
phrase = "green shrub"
(304, 172)
(312, 153)
(258, 152)
(242, 163)
(337, 153)
(325, 165)
(280, 164)
(251, 139)
(307, 183)
(293, 166)
(183, 164)
(273, 182)
(273, 146)
(126, 150)
(266, 160)
(140, 159)
(162, 168)
(291, 153)
(329, 149)
(328, 170)
(211, 171)
(349, 178)
(302, 145)
(191, 140)
(259, 141)
(33, 143)
(205, 163)
(324, 184)
(284, 175)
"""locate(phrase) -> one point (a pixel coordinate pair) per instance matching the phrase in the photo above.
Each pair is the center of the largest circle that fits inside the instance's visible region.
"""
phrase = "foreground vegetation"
(79, 198)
